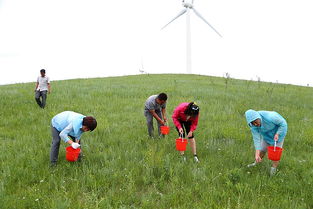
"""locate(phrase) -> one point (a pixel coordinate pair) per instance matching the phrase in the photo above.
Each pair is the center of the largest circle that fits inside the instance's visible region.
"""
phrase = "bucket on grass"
(72, 154)
(165, 130)
(274, 153)
(181, 144)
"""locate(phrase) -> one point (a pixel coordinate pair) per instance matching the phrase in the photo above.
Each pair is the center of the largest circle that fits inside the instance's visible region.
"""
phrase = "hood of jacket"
(252, 115)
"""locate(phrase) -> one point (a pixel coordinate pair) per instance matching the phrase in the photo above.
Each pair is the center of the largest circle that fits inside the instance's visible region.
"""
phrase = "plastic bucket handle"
(181, 143)
(275, 146)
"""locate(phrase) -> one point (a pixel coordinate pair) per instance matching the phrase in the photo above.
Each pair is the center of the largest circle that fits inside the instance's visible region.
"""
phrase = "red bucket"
(274, 153)
(72, 154)
(181, 144)
(165, 130)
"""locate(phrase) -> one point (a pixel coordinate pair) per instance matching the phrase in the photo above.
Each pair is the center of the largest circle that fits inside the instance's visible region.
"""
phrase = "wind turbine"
(188, 5)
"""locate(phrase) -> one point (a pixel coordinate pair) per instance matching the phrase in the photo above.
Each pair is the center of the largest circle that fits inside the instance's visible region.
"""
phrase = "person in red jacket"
(185, 118)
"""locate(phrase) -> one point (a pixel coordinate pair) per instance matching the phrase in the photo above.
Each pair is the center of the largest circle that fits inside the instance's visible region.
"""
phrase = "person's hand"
(276, 137)
(75, 145)
(162, 122)
(165, 119)
(258, 159)
(189, 134)
(181, 131)
(49, 91)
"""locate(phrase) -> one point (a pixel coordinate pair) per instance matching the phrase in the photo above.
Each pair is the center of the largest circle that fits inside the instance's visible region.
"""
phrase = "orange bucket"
(181, 144)
(72, 154)
(165, 130)
(274, 153)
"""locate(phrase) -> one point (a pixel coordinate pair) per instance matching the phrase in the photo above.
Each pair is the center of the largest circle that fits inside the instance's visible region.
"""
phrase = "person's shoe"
(80, 157)
(251, 165)
(183, 158)
(196, 159)
(273, 171)
(53, 164)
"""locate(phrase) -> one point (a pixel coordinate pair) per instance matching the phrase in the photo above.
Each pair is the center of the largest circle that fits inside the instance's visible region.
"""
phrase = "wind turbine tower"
(188, 6)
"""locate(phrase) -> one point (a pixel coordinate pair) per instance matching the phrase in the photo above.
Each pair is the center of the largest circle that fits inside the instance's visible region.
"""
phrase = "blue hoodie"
(271, 123)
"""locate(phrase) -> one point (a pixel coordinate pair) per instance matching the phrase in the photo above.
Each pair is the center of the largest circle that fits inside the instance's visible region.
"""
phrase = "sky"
(267, 40)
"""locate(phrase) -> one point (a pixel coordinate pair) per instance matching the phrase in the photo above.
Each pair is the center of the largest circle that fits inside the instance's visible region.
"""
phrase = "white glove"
(75, 145)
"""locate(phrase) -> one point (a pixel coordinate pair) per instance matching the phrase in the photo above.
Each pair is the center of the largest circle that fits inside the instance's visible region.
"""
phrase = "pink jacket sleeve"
(175, 117)
(194, 123)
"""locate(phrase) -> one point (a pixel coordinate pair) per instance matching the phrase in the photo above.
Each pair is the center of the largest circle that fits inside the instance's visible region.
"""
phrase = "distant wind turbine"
(188, 4)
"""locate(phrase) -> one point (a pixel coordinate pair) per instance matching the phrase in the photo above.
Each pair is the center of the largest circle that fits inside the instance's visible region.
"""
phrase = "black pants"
(186, 127)
(43, 95)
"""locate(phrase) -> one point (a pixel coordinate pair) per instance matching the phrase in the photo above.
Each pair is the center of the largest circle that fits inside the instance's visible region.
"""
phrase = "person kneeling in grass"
(266, 128)
(69, 126)
(185, 118)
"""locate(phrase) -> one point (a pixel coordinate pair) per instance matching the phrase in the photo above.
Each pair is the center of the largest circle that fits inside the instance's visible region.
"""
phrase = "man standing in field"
(155, 107)
(267, 127)
(69, 126)
(42, 87)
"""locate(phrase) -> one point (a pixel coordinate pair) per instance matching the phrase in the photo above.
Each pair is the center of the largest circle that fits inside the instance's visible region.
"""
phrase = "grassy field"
(123, 168)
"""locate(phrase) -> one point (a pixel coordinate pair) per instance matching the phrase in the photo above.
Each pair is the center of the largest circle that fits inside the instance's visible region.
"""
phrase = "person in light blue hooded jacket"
(266, 128)
(69, 126)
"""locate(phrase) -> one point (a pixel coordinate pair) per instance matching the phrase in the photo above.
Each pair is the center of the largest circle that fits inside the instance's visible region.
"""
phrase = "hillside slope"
(123, 168)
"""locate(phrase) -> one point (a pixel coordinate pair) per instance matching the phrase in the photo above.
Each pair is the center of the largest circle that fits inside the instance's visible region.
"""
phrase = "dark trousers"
(55, 145)
(186, 127)
(43, 95)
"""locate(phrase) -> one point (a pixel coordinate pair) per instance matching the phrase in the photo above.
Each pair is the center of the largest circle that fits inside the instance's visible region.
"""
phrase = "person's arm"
(175, 117)
(49, 87)
(282, 127)
(77, 139)
(156, 116)
(194, 124)
(37, 83)
(65, 138)
(64, 134)
(164, 114)
(257, 144)
(258, 158)
(256, 138)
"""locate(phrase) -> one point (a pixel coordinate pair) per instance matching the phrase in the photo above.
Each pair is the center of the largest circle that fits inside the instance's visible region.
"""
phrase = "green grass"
(123, 168)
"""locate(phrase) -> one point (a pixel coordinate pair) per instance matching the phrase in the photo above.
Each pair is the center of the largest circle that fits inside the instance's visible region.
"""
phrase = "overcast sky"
(270, 39)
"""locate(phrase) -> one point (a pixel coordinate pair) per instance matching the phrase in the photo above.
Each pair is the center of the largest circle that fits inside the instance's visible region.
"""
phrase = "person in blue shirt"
(69, 126)
(266, 128)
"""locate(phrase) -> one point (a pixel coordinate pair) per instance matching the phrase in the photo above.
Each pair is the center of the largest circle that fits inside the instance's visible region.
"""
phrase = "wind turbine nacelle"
(188, 3)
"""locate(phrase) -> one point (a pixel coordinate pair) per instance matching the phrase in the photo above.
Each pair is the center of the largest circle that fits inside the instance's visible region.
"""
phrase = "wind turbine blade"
(198, 14)
(180, 14)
